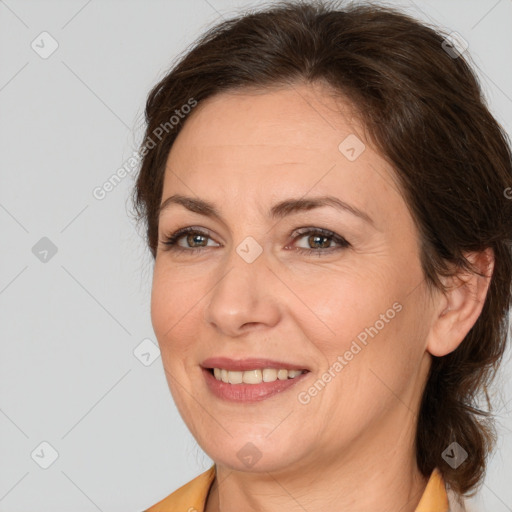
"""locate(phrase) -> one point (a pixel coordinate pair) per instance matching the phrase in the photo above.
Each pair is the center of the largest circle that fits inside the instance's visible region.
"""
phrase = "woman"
(324, 194)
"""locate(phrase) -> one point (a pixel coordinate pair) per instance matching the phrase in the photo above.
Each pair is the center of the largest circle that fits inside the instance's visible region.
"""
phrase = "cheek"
(173, 317)
(172, 307)
(345, 303)
(161, 304)
(369, 319)
(381, 345)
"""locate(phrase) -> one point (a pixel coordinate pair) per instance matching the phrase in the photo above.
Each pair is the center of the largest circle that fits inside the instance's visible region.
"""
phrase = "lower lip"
(248, 392)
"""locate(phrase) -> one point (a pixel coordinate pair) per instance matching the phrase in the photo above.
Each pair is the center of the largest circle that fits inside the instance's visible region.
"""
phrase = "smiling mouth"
(256, 376)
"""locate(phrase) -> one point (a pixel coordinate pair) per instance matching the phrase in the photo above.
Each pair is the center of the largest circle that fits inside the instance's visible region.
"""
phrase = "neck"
(371, 475)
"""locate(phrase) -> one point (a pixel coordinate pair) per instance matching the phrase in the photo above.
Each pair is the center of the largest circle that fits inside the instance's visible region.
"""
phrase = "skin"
(352, 446)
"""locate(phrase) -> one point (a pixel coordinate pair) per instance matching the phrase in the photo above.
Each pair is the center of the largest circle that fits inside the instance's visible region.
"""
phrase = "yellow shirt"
(191, 497)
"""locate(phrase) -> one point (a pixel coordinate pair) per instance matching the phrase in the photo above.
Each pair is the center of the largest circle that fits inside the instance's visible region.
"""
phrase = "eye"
(320, 240)
(196, 241)
(191, 236)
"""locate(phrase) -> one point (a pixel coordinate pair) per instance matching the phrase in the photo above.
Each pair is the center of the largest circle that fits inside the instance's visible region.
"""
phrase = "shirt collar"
(192, 496)
(434, 498)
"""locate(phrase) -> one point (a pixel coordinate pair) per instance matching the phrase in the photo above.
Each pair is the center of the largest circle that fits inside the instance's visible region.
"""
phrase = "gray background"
(72, 320)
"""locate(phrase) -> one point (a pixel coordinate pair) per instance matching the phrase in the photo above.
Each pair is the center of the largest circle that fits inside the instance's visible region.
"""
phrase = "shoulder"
(190, 497)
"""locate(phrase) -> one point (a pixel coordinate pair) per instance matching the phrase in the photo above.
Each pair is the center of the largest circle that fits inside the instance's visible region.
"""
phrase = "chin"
(256, 454)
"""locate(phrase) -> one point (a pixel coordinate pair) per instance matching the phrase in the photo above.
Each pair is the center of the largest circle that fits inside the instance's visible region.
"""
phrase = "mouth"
(250, 380)
(254, 376)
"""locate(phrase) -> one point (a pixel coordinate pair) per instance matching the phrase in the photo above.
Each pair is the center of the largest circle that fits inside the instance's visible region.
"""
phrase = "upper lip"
(227, 363)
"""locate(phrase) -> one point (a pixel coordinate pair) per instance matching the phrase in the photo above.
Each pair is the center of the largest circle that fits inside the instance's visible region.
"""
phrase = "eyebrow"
(278, 211)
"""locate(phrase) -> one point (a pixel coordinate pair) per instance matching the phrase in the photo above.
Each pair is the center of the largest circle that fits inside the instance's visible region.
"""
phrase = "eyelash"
(170, 241)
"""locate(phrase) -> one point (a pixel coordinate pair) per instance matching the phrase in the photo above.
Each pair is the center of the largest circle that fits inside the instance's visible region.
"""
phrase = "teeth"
(251, 376)
(269, 375)
(282, 374)
(254, 376)
(235, 377)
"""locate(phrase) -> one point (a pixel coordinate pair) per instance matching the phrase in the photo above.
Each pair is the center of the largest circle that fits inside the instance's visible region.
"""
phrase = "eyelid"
(181, 232)
(170, 241)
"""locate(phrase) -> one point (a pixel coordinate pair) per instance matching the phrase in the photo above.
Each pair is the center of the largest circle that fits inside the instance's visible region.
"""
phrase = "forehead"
(271, 123)
(278, 143)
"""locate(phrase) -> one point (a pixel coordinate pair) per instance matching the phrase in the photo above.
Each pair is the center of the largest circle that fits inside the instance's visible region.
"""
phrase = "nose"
(245, 296)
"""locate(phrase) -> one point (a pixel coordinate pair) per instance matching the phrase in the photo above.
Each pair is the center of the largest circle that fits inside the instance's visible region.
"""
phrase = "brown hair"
(424, 111)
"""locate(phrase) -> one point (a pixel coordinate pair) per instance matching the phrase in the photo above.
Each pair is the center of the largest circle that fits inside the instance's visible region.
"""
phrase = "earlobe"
(458, 309)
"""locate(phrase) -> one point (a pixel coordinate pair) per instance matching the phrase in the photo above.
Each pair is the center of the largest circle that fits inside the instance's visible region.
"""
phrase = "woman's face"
(245, 294)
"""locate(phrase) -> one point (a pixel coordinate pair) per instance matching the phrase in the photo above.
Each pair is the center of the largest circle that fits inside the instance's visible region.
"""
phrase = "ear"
(457, 310)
